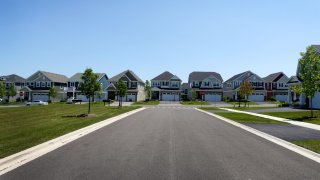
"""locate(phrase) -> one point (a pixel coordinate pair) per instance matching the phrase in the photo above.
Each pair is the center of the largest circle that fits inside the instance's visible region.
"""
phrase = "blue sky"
(150, 37)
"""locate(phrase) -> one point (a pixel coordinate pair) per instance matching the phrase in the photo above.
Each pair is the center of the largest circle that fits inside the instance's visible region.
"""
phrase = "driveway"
(169, 143)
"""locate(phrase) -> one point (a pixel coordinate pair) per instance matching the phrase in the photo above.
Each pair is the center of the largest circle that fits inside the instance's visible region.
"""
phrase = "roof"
(272, 77)
(293, 79)
(55, 77)
(77, 77)
(185, 86)
(236, 76)
(13, 78)
(199, 76)
(130, 74)
(165, 76)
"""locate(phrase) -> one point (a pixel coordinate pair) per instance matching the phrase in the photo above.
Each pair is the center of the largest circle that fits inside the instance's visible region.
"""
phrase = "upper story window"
(206, 83)
(281, 85)
(61, 86)
(134, 84)
(37, 84)
(216, 84)
(43, 84)
(48, 84)
(174, 84)
(72, 84)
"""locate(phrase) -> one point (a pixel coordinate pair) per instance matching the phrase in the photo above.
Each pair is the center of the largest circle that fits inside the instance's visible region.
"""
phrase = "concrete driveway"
(169, 143)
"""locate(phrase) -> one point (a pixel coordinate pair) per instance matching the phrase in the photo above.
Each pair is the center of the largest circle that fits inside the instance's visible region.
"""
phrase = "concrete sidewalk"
(297, 123)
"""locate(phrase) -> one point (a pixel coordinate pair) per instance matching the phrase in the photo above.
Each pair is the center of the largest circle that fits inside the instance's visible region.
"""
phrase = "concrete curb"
(302, 151)
(297, 123)
(14, 161)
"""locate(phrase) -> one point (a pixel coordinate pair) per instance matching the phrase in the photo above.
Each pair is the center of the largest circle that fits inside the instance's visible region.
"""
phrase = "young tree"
(147, 89)
(89, 85)
(245, 91)
(309, 72)
(122, 91)
(12, 91)
(52, 93)
(2, 89)
(194, 95)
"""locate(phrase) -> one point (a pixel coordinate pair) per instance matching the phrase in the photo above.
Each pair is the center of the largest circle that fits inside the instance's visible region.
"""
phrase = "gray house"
(276, 86)
(18, 82)
(207, 85)
(231, 86)
(39, 83)
(166, 87)
(135, 86)
(74, 91)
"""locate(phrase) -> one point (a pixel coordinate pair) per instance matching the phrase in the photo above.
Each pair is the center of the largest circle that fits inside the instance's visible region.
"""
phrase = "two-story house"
(18, 82)
(134, 84)
(75, 92)
(276, 86)
(39, 84)
(293, 96)
(231, 86)
(207, 85)
(166, 87)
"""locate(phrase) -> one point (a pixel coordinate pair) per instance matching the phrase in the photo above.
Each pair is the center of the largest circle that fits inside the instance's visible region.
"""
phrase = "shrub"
(272, 98)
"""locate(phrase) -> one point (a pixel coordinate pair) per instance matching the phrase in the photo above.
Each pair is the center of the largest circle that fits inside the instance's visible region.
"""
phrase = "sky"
(150, 37)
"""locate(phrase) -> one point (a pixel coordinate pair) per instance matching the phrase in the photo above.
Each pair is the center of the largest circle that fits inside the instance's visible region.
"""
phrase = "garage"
(212, 97)
(256, 97)
(283, 97)
(83, 98)
(170, 97)
(131, 97)
(40, 96)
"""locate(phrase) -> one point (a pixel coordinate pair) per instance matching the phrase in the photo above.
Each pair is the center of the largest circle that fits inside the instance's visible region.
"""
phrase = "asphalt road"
(169, 143)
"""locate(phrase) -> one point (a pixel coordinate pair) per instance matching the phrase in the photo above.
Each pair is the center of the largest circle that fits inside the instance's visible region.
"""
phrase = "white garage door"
(212, 97)
(83, 98)
(40, 96)
(131, 97)
(170, 97)
(283, 98)
(256, 97)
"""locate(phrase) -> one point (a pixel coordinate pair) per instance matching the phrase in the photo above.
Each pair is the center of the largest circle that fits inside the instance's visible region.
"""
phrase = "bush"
(283, 104)
(63, 100)
(272, 99)
(49, 101)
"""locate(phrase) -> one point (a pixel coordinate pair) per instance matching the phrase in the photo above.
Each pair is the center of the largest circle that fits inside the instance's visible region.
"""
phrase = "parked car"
(0, 99)
(36, 103)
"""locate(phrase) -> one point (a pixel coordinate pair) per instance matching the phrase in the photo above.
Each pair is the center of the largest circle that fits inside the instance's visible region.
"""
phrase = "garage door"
(83, 98)
(212, 97)
(40, 96)
(256, 97)
(131, 97)
(170, 97)
(283, 98)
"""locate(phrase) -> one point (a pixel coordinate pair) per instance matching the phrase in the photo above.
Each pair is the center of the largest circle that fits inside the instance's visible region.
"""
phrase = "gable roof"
(293, 79)
(13, 78)
(130, 74)
(272, 77)
(52, 76)
(236, 76)
(77, 77)
(199, 76)
(165, 76)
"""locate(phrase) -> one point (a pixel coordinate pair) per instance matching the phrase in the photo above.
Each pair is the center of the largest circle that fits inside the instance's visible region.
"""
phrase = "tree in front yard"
(52, 93)
(89, 85)
(122, 91)
(245, 91)
(147, 88)
(12, 91)
(2, 89)
(309, 73)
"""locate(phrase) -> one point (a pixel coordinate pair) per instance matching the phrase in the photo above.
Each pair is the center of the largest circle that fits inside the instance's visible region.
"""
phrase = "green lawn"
(246, 118)
(298, 116)
(242, 103)
(250, 108)
(194, 103)
(151, 103)
(313, 145)
(24, 127)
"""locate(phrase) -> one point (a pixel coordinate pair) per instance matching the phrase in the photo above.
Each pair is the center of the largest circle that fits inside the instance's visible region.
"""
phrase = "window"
(43, 84)
(32, 84)
(72, 84)
(134, 84)
(61, 86)
(206, 83)
(48, 84)
(37, 84)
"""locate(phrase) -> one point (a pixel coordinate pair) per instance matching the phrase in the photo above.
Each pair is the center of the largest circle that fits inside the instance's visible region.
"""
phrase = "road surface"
(169, 143)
